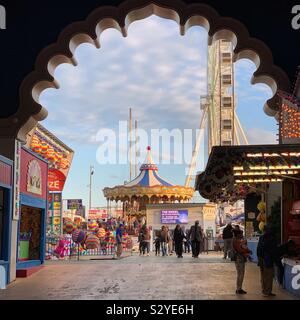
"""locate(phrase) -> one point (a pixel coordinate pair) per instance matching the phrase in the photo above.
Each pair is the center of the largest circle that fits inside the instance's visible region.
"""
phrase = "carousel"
(147, 188)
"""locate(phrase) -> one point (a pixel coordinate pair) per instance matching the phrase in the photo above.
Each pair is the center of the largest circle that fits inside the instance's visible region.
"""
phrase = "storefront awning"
(230, 168)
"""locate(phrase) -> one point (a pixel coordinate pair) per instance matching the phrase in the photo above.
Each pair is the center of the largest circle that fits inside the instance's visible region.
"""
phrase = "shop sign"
(34, 177)
(17, 175)
(95, 214)
(56, 180)
(74, 204)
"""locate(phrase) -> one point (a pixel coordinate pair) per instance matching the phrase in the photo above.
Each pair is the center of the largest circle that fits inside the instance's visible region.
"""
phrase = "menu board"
(174, 216)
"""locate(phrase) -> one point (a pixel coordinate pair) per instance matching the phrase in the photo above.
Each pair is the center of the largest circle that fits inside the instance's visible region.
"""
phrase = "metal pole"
(130, 142)
(136, 148)
(52, 215)
(90, 197)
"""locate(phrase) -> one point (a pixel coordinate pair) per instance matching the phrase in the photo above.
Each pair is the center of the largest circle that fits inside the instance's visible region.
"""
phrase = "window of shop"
(30, 234)
(1, 222)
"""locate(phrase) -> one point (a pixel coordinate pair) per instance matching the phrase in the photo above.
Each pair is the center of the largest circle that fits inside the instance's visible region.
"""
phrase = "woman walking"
(178, 238)
(241, 253)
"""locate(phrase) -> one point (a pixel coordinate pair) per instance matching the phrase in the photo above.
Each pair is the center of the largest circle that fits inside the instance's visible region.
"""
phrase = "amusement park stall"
(33, 211)
(59, 157)
(6, 183)
(267, 178)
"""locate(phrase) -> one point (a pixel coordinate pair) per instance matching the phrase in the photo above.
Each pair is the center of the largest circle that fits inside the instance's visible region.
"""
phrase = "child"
(157, 245)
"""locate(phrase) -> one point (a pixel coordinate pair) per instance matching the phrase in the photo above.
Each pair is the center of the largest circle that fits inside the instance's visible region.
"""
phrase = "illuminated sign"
(174, 216)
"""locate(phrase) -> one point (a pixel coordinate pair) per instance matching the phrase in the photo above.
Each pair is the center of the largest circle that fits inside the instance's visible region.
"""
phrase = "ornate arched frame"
(42, 77)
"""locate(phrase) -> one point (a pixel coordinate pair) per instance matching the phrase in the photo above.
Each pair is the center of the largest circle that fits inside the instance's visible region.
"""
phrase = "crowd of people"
(269, 254)
(168, 241)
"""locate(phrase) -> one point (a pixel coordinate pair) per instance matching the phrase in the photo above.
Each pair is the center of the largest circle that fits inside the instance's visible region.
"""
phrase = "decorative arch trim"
(89, 31)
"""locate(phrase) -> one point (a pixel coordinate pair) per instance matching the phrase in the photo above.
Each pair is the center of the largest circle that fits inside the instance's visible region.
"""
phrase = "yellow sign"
(56, 205)
(56, 221)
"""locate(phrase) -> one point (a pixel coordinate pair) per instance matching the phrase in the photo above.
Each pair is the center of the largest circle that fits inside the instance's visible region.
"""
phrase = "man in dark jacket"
(267, 255)
(195, 237)
(227, 237)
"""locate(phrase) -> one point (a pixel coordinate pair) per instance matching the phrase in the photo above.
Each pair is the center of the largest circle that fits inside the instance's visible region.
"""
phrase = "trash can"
(2, 278)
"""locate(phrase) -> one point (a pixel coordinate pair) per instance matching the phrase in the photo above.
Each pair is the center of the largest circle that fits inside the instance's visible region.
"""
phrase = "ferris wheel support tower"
(219, 115)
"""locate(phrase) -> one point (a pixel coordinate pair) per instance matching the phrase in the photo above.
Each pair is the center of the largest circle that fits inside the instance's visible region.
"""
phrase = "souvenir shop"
(33, 210)
(6, 183)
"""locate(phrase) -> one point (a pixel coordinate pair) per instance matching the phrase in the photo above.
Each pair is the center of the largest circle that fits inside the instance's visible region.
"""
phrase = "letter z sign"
(296, 19)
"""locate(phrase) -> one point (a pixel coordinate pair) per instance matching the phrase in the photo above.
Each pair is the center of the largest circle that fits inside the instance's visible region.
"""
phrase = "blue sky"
(158, 73)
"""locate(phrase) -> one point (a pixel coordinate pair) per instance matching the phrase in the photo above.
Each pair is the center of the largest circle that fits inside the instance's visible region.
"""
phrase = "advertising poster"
(174, 216)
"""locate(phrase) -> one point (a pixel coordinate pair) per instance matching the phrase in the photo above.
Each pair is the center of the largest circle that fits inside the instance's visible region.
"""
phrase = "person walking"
(147, 239)
(119, 235)
(187, 242)
(156, 242)
(227, 237)
(205, 242)
(267, 253)
(195, 237)
(164, 240)
(169, 242)
(241, 254)
(141, 241)
(178, 238)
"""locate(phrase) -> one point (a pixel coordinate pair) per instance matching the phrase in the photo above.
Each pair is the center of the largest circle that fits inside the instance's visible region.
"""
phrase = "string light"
(289, 121)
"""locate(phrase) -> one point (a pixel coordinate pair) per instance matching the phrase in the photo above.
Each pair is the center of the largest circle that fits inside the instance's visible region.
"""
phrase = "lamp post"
(90, 185)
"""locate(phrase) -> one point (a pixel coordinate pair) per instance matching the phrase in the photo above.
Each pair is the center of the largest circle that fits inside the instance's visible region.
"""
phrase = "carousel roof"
(148, 183)
(148, 176)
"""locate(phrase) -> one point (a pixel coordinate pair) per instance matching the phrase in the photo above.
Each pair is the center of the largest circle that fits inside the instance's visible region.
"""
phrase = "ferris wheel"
(219, 118)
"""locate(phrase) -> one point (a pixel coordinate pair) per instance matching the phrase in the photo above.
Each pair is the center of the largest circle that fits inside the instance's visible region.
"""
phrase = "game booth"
(6, 183)
(33, 210)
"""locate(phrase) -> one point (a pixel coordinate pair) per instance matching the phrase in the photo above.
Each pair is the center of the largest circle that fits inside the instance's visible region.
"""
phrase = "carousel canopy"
(148, 176)
(148, 184)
